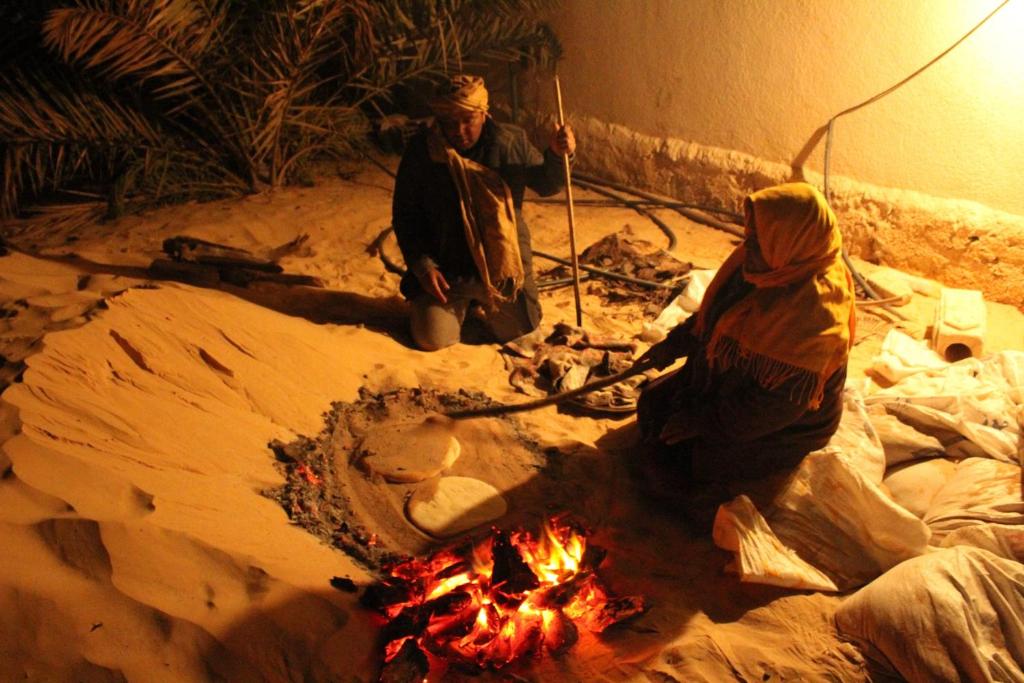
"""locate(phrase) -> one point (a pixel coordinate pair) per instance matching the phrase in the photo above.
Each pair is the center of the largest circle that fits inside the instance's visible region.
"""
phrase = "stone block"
(960, 323)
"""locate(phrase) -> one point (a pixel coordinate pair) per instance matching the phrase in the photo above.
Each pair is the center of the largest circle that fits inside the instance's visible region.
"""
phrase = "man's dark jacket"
(426, 215)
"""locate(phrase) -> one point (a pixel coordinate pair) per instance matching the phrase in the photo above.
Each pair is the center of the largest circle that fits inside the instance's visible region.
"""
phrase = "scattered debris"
(343, 583)
(631, 256)
(567, 359)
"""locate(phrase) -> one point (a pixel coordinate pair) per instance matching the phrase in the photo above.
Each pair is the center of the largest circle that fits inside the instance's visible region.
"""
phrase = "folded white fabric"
(902, 355)
(680, 308)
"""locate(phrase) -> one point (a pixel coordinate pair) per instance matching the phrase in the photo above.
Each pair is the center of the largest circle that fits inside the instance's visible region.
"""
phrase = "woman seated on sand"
(767, 350)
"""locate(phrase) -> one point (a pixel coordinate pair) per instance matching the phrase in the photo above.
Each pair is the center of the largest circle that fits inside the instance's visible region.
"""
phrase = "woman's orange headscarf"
(798, 322)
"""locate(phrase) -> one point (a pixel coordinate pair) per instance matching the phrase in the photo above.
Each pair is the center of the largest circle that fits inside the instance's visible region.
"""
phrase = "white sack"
(915, 484)
(999, 539)
(901, 442)
(981, 490)
(951, 615)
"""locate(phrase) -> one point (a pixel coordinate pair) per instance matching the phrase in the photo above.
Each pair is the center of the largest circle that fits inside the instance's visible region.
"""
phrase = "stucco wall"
(708, 100)
(761, 76)
(956, 241)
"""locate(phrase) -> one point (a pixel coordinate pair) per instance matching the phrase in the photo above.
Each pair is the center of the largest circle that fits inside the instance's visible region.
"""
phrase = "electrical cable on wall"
(874, 98)
(897, 86)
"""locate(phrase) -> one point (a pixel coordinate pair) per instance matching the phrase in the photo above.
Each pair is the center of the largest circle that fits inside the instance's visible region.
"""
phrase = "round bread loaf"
(450, 505)
(410, 453)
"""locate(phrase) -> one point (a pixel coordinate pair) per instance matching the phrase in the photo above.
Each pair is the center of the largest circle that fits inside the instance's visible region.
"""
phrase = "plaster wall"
(958, 242)
(762, 77)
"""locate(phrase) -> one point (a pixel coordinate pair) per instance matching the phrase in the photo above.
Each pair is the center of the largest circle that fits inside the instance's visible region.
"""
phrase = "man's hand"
(563, 142)
(433, 283)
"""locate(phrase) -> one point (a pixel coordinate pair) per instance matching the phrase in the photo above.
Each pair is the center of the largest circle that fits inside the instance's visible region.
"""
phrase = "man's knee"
(433, 333)
(431, 342)
(434, 326)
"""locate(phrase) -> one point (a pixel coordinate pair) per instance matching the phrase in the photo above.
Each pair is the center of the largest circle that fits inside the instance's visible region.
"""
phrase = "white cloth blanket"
(680, 308)
(833, 526)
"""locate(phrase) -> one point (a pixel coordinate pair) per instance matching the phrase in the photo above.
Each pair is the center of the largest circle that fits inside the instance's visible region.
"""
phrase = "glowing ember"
(490, 603)
(309, 475)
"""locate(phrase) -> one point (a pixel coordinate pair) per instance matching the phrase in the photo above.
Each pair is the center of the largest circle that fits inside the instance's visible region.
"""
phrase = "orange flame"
(468, 619)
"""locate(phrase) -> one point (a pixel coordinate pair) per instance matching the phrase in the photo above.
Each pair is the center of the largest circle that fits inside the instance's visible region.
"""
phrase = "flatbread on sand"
(409, 453)
(451, 505)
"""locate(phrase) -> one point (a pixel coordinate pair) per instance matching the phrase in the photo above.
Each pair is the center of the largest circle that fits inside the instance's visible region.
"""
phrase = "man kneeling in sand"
(457, 214)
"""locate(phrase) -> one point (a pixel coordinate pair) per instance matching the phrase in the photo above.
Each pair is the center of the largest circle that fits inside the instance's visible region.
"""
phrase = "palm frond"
(298, 42)
(477, 31)
(158, 42)
(52, 128)
(208, 98)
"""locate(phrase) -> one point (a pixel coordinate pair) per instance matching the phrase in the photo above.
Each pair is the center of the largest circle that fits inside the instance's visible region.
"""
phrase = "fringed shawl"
(797, 325)
(489, 218)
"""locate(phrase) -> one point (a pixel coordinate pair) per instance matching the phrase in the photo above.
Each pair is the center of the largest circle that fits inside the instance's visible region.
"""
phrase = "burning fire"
(488, 604)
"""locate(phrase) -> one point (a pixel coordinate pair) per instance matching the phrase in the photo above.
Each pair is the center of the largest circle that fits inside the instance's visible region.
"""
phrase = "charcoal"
(379, 596)
(511, 575)
(448, 603)
(343, 583)
(409, 622)
(559, 596)
(409, 665)
(561, 635)
(593, 556)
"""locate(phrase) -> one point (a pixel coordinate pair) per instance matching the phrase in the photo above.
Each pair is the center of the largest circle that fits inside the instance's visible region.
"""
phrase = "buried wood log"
(507, 408)
(196, 250)
(210, 273)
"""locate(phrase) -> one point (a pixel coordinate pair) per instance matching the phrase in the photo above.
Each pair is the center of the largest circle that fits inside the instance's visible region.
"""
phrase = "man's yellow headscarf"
(798, 322)
(461, 93)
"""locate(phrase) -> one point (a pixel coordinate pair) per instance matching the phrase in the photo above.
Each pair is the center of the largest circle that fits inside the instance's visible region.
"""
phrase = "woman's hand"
(660, 356)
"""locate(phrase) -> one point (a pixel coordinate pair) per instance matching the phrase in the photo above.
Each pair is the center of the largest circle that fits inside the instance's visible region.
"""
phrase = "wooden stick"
(506, 408)
(568, 206)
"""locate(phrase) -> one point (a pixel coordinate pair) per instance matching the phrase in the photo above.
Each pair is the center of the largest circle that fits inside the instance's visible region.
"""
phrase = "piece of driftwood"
(210, 274)
(196, 250)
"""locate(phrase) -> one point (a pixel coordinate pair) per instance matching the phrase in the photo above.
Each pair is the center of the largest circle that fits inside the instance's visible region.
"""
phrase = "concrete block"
(960, 323)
